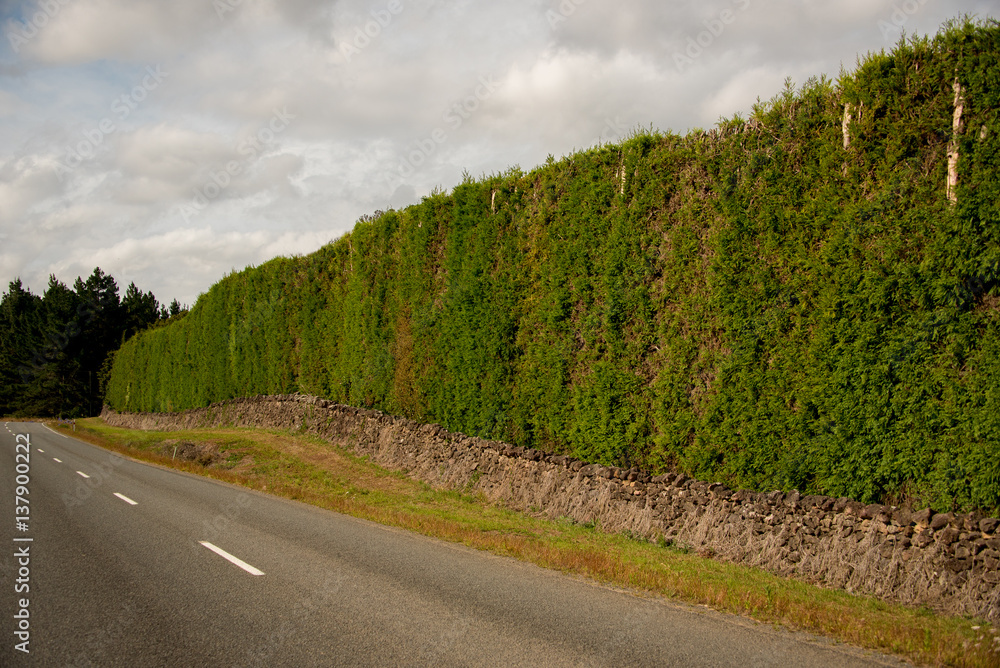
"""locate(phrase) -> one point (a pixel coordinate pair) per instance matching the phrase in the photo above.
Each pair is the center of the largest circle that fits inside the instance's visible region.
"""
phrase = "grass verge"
(309, 469)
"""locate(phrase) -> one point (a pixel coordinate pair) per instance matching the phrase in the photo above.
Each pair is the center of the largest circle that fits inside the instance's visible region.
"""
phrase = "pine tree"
(19, 333)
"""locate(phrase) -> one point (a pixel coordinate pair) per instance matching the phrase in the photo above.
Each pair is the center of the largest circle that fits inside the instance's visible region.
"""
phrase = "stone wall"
(948, 561)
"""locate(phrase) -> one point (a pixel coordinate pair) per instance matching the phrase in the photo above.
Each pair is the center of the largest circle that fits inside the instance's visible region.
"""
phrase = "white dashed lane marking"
(239, 562)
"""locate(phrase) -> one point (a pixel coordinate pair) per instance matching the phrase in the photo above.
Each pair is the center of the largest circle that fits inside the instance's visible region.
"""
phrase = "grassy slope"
(311, 470)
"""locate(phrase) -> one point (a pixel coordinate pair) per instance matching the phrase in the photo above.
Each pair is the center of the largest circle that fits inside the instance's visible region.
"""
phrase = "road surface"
(113, 562)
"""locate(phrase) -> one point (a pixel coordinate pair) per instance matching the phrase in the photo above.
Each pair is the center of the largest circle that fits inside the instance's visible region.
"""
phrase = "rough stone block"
(900, 517)
(971, 521)
(870, 511)
(989, 524)
(854, 508)
(957, 565)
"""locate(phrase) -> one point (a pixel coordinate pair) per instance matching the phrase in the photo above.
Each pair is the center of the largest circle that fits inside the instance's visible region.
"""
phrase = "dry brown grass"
(310, 470)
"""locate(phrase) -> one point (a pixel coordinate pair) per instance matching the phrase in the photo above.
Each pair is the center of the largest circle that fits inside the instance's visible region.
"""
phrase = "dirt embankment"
(948, 561)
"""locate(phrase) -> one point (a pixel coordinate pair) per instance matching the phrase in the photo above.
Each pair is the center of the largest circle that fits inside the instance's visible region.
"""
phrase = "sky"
(170, 142)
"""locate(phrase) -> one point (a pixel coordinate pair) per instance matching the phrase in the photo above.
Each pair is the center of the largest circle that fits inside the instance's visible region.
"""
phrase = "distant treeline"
(54, 348)
(795, 300)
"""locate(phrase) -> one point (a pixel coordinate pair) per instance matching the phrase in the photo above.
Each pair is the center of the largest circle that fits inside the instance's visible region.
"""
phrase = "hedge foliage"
(755, 304)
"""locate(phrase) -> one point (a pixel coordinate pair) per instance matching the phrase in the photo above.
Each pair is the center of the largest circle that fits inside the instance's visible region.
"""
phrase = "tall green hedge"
(755, 304)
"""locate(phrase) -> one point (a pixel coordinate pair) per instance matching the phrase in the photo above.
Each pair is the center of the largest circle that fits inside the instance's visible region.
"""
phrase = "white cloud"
(566, 98)
(25, 181)
(170, 152)
(87, 30)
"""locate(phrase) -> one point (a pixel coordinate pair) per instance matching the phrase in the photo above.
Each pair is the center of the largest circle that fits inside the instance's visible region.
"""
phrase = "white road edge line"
(239, 562)
(56, 459)
(126, 499)
(83, 474)
(54, 431)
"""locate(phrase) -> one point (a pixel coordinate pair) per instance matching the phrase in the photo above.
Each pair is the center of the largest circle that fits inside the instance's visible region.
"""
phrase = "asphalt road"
(119, 575)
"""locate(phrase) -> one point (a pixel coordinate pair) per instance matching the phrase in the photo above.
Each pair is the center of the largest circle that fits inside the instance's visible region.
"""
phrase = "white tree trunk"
(956, 130)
